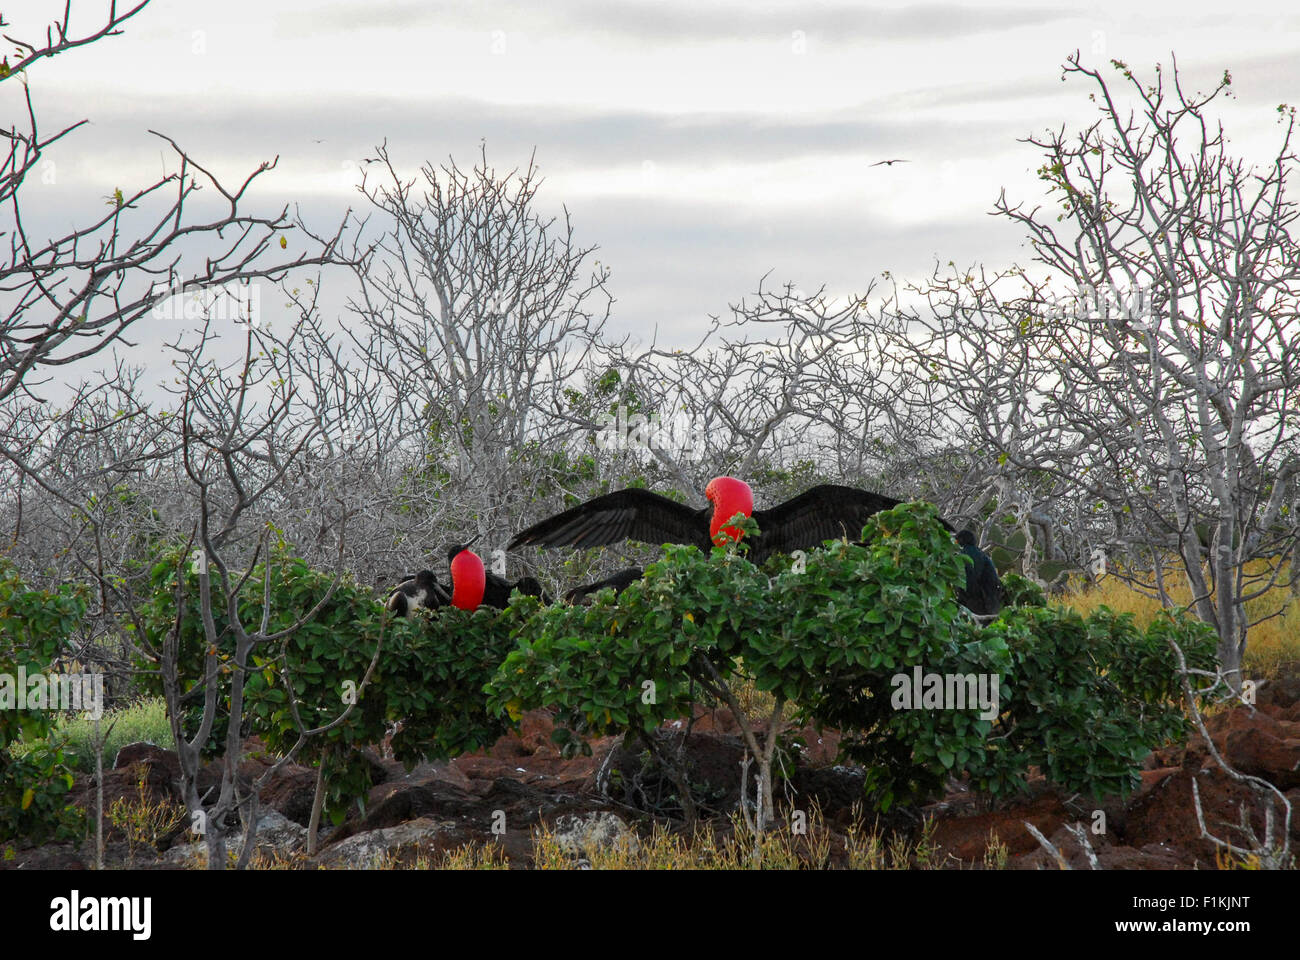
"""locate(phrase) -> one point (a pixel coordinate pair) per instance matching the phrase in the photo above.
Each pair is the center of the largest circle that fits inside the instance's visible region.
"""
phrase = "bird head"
(729, 497)
(456, 549)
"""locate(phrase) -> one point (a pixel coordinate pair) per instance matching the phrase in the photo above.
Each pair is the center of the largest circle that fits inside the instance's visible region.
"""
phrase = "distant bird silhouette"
(983, 592)
(889, 163)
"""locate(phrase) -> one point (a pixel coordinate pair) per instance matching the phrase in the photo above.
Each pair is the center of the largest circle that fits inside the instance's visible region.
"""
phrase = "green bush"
(838, 631)
(861, 616)
(1018, 591)
(833, 631)
(430, 673)
(34, 785)
(1093, 696)
(629, 663)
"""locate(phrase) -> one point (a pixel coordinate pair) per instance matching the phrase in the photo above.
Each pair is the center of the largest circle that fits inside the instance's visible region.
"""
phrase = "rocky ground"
(522, 782)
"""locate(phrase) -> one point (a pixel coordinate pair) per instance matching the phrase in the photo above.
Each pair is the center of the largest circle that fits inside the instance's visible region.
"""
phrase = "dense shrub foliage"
(430, 671)
(34, 783)
(1090, 697)
(636, 660)
(840, 632)
(1018, 591)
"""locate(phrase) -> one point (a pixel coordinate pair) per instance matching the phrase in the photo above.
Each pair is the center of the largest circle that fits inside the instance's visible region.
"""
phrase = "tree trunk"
(317, 803)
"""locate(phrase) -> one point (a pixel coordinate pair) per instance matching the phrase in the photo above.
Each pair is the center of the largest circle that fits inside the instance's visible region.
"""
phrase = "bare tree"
(68, 462)
(1153, 372)
(71, 297)
(478, 315)
(25, 145)
(239, 430)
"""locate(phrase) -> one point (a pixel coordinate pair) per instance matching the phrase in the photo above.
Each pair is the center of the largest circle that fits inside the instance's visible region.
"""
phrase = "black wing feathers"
(619, 581)
(632, 514)
(826, 512)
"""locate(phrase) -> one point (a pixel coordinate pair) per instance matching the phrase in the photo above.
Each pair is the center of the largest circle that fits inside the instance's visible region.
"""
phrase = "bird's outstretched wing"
(825, 512)
(618, 581)
(632, 514)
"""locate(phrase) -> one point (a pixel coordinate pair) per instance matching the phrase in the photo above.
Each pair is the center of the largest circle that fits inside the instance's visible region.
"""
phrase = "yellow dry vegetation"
(1270, 644)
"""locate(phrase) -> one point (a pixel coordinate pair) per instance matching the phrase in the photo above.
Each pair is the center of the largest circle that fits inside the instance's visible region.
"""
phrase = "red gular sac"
(729, 497)
(468, 580)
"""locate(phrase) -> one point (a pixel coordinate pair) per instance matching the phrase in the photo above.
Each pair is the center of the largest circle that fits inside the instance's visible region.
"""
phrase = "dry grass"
(813, 847)
(141, 820)
(732, 847)
(758, 704)
(472, 856)
(1269, 645)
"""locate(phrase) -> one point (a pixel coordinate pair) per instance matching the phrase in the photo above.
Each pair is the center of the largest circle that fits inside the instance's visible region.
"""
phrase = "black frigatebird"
(619, 581)
(471, 586)
(497, 591)
(823, 513)
(421, 590)
(983, 592)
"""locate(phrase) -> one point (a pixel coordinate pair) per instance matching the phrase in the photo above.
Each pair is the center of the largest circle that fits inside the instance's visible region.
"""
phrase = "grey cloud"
(674, 264)
(564, 137)
(688, 22)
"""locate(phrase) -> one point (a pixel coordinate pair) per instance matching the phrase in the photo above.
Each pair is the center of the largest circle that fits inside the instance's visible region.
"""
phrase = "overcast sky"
(700, 145)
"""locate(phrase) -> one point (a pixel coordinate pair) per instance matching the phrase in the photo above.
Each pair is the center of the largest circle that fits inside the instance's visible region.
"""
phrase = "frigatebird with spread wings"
(825, 512)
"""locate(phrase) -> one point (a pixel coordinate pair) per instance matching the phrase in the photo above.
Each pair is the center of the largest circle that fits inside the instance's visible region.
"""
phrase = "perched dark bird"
(472, 586)
(619, 581)
(497, 591)
(889, 163)
(421, 590)
(823, 513)
(983, 592)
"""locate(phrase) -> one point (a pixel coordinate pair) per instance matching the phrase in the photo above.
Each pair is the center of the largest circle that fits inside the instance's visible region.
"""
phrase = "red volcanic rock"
(1110, 855)
(967, 837)
(714, 721)
(1282, 690)
(508, 747)
(535, 729)
(145, 752)
(291, 792)
(1166, 814)
(1256, 752)
(820, 749)
(1153, 778)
